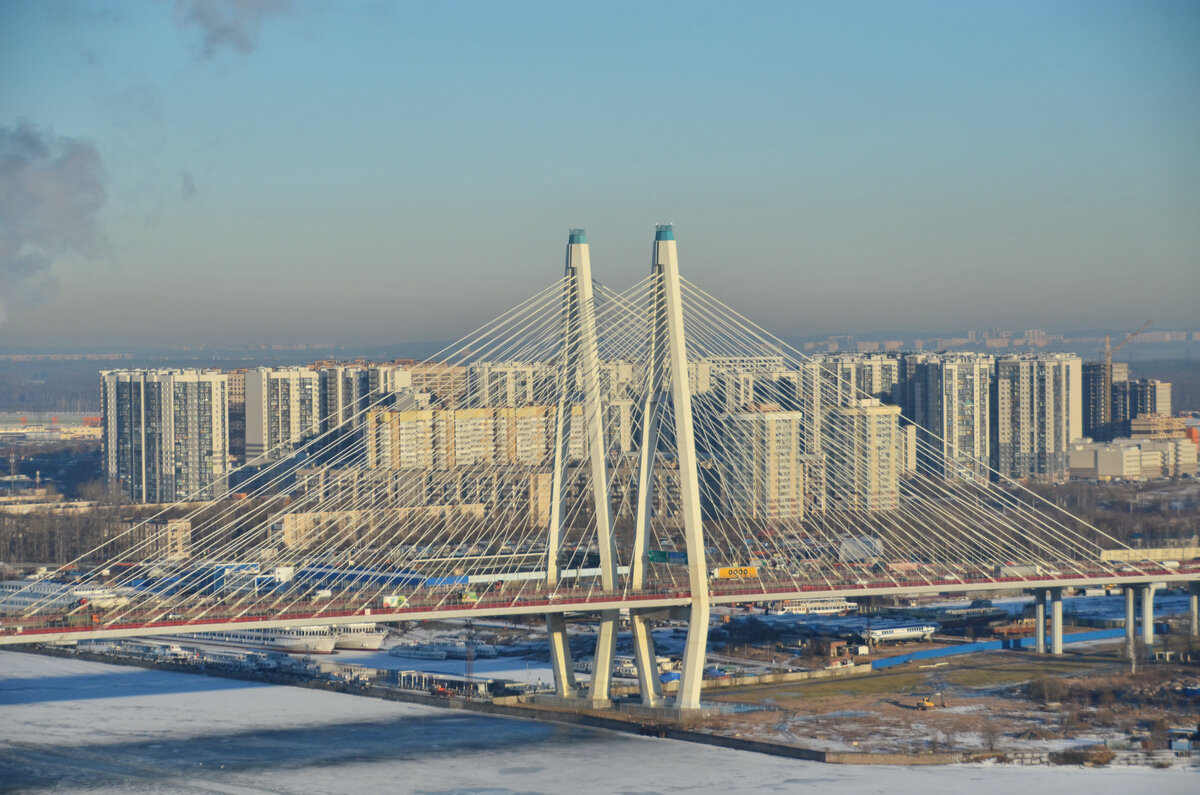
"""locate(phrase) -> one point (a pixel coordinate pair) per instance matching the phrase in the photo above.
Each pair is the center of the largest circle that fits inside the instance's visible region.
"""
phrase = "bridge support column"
(1056, 639)
(1148, 616)
(581, 367)
(1130, 622)
(647, 662)
(602, 663)
(560, 656)
(664, 267)
(1194, 608)
(1039, 613)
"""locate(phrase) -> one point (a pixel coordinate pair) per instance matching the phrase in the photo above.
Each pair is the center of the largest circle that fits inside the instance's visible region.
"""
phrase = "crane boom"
(1108, 353)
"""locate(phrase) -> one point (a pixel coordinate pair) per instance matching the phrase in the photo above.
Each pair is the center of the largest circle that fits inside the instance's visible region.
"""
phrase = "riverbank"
(707, 727)
(72, 725)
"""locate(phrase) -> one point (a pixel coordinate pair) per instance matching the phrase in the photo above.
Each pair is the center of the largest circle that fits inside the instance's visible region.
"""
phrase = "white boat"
(358, 636)
(624, 668)
(910, 632)
(822, 606)
(293, 640)
(417, 651)
(462, 649)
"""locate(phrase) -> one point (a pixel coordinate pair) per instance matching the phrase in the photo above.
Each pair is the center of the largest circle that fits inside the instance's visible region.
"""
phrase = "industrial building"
(1133, 459)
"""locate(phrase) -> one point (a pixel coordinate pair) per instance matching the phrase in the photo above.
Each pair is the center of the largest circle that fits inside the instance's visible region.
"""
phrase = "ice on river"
(73, 725)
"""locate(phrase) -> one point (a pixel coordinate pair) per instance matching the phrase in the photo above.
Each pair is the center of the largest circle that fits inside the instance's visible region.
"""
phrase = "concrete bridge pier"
(1056, 621)
(1039, 631)
(1130, 621)
(1194, 603)
(649, 685)
(1148, 616)
(560, 656)
(602, 662)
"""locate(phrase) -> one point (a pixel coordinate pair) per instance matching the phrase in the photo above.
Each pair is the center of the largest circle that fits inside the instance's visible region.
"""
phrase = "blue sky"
(260, 171)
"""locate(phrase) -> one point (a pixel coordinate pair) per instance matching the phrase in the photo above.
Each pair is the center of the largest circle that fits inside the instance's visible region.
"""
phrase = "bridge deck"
(78, 625)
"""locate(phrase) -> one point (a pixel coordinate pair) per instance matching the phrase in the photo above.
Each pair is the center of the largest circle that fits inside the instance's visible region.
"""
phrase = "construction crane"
(1106, 417)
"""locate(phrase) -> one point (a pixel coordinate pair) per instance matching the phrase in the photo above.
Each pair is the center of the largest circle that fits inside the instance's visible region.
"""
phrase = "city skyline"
(298, 395)
(273, 172)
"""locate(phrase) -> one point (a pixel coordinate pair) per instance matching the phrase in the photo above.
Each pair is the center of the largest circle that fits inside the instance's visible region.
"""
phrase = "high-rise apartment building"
(1038, 412)
(345, 395)
(948, 397)
(165, 433)
(763, 463)
(850, 376)
(839, 380)
(446, 383)
(499, 384)
(1099, 410)
(237, 414)
(732, 390)
(1143, 396)
(906, 451)
(389, 379)
(283, 410)
(862, 471)
(878, 376)
(799, 389)
(454, 438)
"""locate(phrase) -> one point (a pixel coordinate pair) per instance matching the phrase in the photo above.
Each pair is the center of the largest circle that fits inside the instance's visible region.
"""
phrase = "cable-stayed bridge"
(592, 451)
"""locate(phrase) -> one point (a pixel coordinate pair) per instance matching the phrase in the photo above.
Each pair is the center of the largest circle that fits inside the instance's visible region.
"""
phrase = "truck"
(735, 573)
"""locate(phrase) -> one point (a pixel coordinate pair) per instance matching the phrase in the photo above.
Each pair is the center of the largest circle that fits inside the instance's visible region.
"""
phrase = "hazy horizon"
(241, 172)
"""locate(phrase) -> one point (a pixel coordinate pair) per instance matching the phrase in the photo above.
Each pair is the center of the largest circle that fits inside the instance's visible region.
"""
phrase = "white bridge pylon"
(667, 373)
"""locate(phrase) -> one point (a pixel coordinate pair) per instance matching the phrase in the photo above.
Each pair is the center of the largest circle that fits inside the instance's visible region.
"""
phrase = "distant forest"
(47, 386)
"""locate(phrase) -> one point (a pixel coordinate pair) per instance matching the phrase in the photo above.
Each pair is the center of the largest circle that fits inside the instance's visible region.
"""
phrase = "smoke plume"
(51, 191)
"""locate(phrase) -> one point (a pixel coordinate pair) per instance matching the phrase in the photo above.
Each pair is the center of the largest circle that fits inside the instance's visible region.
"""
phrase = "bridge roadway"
(148, 620)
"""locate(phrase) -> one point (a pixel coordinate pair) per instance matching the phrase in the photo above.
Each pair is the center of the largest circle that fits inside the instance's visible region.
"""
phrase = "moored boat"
(366, 637)
(417, 652)
(293, 640)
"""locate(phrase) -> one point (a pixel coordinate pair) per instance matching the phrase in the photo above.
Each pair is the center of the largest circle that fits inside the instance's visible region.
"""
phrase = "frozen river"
(71, 725)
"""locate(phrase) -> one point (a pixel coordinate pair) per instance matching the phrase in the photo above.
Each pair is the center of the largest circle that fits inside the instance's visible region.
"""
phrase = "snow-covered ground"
(531, 669)
(71, 725)
(516, 669)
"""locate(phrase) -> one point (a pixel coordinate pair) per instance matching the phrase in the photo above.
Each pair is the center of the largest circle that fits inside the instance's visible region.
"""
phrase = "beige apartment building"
(450, 438)
(862, 468)
(763, 463)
